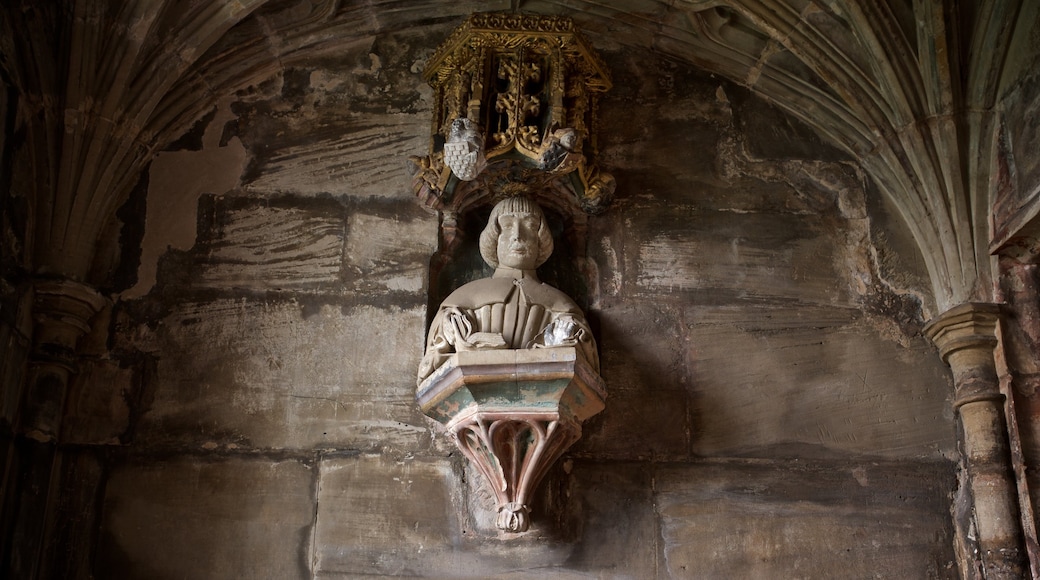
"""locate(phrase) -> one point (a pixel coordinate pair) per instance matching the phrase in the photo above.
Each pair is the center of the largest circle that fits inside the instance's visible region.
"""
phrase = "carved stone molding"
(513, 413)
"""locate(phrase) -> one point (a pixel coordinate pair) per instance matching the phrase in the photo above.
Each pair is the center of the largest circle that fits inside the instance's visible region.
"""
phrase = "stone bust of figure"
(512, 309)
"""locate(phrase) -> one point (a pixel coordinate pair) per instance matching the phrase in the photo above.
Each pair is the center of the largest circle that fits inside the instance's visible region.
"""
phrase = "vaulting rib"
(893, 104)
(844, 119)
(196, 83)
(907, 131)
(111, 87)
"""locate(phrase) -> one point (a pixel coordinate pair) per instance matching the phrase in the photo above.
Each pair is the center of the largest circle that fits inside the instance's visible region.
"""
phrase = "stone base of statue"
(513, 413)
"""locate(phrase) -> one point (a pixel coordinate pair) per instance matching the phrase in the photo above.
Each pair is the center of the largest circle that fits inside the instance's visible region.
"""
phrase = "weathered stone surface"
(384, 517)
(641, 350)
(768, 376)
(739, 519)
(173, 193)
(99, 403)
(1020, 170)
(273, 375)
(604, 494)
(389, 252)
(199, 517)
(346, 124)
(371, 153)
(751, 380)
(309, 246)
(861, 520)
(269, 244)
(748, 256)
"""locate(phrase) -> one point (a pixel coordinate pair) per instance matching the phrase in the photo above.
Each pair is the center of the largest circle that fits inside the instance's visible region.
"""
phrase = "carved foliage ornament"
(513, 89)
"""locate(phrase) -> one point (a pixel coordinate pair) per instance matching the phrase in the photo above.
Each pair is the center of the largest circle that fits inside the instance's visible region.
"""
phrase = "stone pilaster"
(966, 336)
(62, 310)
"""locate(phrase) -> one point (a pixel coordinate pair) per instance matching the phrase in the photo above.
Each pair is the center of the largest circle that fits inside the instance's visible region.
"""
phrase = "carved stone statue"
(512, 309)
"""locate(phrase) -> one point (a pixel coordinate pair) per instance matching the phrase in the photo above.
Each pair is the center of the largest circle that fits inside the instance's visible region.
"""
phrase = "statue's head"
(517, 235)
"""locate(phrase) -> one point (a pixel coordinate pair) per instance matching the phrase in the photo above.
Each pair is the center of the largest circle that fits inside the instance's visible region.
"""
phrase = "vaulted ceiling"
(910, 89)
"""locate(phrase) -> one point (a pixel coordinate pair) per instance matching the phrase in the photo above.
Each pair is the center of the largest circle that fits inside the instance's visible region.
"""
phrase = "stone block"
(382, 517)
(373, 149)
(618, 524)
(730, 256)
(270, 375)
(767, 377)
(389, 253)
(269, 244)
(639, 425)
(203, 518)
(647, 406)
(761, 520)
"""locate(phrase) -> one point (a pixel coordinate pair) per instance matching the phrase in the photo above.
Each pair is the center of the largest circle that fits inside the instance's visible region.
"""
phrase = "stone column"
(62, 310)
(966, 336)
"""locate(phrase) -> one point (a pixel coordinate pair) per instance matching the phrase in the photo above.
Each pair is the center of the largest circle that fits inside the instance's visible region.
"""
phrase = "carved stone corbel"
(513, 413)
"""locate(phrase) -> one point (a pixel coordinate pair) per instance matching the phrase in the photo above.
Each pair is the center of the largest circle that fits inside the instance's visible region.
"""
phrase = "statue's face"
(518, 242)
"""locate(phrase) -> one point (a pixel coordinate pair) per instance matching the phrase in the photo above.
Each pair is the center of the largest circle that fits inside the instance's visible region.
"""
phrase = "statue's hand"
(457, 327)
(564, 331)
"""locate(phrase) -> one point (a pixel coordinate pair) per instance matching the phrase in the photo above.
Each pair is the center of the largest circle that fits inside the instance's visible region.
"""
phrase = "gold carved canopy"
(515, 99)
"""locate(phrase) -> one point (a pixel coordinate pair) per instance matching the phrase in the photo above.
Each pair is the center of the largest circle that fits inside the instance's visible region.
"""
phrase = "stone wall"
(773, 410)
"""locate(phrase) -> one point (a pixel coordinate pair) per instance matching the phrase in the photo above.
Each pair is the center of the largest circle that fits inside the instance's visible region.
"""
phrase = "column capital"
(970, 325)
(76, 303)
(62, 310)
